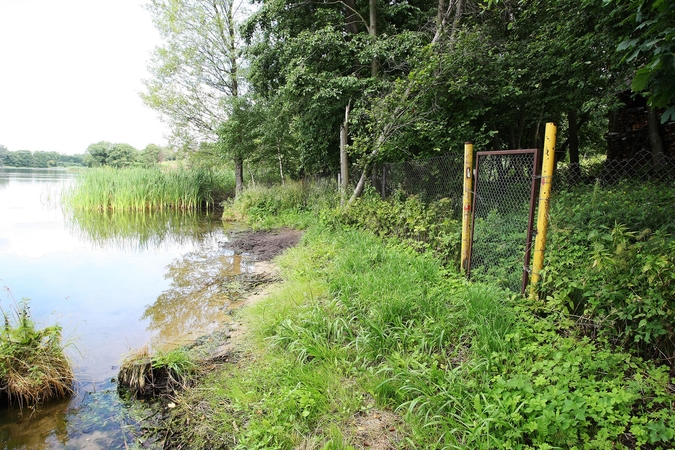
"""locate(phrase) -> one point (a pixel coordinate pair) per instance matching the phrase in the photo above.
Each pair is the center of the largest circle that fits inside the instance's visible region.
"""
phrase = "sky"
(71, 72)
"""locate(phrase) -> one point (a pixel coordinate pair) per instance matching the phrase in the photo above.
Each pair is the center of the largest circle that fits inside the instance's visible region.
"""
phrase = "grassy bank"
(33, 367)
(138, 189)
(370, 342)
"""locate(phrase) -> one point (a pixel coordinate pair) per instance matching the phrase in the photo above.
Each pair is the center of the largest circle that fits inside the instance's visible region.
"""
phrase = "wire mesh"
(502, 207)
(430, 179)
(643, 166)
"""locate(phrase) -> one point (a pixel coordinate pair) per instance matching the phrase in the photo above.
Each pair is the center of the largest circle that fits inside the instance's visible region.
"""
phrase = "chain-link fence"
(504, 190)
(642, 167)
(430, 179)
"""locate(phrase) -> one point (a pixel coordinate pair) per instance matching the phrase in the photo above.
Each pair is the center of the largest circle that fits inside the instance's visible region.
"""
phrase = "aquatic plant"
(33, 366)
(140, 189)
(145, 375)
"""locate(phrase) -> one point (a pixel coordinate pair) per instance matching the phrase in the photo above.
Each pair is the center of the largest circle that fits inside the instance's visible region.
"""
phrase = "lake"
(115, 283)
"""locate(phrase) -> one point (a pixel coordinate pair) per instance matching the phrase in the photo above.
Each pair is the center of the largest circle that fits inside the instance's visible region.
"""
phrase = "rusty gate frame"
(534, 192)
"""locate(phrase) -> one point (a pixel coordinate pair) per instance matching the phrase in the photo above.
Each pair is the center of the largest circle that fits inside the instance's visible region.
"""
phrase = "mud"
(264, 245)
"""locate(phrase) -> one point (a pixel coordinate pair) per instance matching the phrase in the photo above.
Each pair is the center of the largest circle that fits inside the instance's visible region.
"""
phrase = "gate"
(505, 190)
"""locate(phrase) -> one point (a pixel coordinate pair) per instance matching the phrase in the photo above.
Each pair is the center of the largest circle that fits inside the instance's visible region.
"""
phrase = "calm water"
(114, 282)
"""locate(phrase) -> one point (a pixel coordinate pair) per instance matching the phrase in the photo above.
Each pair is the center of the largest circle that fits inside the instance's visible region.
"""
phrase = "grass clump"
(33, 366)
(146, 375)
(141, 189)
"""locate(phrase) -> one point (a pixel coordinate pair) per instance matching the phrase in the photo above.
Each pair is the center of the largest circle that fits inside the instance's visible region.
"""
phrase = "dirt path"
(264, 245)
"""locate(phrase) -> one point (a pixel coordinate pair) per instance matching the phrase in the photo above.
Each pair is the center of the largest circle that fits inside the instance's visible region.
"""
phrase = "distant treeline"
(40, 159)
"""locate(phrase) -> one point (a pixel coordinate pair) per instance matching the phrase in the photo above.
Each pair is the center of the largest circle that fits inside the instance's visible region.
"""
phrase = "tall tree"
(649, 45)
(195, 74)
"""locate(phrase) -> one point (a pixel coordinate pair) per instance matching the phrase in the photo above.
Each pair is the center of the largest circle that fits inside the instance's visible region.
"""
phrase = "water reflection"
(138, 230)
(203, 284)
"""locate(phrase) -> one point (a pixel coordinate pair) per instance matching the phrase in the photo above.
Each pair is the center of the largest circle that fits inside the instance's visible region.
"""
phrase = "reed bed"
(142, 189)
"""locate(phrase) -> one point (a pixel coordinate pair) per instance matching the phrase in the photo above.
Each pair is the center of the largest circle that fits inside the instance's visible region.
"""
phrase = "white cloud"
(70, 74)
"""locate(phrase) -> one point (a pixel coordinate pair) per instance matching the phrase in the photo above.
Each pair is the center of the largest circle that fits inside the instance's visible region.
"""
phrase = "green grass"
(295, 204)
(139, 189)
(361, 326)
(33, 366)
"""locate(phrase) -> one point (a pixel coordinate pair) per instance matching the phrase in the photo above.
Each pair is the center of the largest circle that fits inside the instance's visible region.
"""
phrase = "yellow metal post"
(466, 205)
(544, 204)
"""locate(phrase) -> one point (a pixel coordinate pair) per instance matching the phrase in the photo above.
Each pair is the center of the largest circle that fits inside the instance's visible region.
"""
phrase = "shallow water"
(114, 282)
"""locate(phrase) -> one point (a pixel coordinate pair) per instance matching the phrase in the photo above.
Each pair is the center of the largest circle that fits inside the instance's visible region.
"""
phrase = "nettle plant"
(611, 265)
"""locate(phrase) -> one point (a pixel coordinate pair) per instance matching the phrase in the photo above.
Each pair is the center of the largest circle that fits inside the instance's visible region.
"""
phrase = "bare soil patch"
(265, 244)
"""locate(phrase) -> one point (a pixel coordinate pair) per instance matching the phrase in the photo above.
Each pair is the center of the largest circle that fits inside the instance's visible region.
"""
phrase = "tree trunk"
(238, 175)
(372, 30)
(390, 126)
(655, 141)
(281, 165)
(574, 143)
(344, 159)
(496, 140)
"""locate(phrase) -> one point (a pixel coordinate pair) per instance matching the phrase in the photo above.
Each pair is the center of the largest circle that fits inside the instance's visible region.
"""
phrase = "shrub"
(610, 265)
(422, 226)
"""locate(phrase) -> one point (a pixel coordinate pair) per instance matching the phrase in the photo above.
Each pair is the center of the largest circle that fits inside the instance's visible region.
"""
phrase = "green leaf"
(641, 79)
(628, 43)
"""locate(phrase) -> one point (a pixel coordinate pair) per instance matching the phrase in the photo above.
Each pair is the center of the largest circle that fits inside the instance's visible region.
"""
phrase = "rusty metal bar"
(536, 171)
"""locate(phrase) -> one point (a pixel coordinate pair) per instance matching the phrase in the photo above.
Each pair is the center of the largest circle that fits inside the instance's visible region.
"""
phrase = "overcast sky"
(70, 74)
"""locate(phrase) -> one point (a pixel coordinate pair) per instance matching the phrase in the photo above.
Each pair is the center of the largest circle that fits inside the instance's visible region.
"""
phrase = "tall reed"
(140, 189)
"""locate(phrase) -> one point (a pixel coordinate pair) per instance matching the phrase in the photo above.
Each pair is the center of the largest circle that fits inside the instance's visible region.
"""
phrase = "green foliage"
(617, 281)
(33, 366)
(137, 189)
(422, 226)
(650, 46)
(37, 159)
(178, 362)
(114, 155)
(292, 204)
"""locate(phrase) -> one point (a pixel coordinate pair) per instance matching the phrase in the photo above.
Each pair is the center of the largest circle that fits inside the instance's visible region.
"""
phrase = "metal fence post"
(466, 206)
(544, 204)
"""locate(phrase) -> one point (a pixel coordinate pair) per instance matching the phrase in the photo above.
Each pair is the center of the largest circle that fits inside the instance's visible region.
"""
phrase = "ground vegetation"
(371, 341)
(142, 189)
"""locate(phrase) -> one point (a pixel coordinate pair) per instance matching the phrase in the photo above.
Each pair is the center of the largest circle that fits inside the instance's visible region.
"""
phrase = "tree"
(114, 155)
(195, 75)
(122, 155)
(151, 155)
(237, 135)
(320, 57)
(4, 153)
(650, 45)
(97, 154)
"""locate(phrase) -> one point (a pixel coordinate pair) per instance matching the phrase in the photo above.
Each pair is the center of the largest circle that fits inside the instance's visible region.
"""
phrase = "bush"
(293, 204)
(610, 265)
(421, 226)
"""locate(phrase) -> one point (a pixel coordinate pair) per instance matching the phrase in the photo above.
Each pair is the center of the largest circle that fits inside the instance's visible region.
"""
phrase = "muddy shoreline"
(222, 346)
